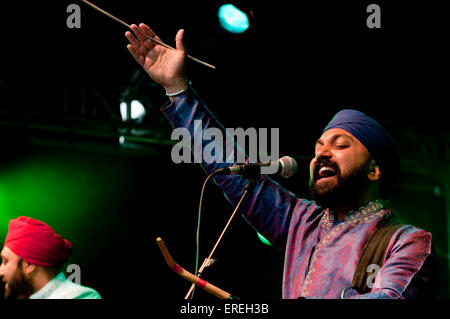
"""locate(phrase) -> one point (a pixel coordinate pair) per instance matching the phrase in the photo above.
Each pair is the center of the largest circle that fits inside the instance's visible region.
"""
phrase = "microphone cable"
(197, 233)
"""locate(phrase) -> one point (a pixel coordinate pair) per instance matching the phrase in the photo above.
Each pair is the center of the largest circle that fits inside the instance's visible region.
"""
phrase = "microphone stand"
(251, 183)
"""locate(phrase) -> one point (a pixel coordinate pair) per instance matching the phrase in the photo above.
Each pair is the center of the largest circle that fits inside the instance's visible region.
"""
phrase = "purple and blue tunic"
(321, 253)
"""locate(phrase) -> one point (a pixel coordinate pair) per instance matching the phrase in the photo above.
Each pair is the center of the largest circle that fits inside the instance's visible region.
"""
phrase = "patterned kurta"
(321, 254)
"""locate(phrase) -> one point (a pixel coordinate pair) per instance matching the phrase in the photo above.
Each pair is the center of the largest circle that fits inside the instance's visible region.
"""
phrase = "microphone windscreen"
(288, 166)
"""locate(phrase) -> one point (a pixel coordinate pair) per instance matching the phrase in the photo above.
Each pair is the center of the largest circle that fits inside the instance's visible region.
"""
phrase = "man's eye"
(342, 146)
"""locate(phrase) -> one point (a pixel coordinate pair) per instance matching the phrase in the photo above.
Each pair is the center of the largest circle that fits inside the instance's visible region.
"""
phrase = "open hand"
(165, 66)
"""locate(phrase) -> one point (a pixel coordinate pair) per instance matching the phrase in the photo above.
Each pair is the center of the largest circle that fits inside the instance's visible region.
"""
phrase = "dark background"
(294, 68)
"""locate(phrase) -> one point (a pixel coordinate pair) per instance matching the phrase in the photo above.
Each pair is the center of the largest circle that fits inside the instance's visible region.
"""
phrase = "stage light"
(263, 239)
(232, 19)
(437, 191)
(123, 110)
(136, 111)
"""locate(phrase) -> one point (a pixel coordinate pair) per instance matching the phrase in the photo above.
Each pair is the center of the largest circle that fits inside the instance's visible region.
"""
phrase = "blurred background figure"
(32, 260)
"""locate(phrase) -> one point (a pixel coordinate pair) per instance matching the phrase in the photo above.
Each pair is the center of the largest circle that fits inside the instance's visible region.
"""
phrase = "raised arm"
(269, 207)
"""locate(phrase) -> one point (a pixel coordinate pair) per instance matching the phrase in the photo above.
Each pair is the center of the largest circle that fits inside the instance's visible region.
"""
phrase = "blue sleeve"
(269, 206)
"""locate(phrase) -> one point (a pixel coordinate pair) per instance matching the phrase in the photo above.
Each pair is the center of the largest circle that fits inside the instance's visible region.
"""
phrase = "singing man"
(355, 164)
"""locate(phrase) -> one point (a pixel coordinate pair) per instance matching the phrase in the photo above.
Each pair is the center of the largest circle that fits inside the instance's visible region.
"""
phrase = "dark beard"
(347, 193)
(19, 286)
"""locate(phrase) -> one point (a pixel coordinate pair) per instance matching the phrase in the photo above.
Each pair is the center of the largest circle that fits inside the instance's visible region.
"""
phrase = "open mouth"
(325, 172)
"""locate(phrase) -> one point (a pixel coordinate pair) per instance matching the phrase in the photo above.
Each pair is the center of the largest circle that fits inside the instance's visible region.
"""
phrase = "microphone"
(285, 166)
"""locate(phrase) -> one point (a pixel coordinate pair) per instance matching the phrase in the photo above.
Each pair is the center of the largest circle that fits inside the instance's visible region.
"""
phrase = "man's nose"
(2, 269)
(324, 152)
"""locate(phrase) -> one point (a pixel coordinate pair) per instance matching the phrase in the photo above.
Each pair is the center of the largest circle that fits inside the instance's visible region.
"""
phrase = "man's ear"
(28, 268)
(374, 171)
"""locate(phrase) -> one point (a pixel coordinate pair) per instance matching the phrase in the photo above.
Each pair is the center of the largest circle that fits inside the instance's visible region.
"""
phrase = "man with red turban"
(32, 258)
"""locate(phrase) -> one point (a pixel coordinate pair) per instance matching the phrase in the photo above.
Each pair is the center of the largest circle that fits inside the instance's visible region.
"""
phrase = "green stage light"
(232, 19)
(61, 192)
(263, 239)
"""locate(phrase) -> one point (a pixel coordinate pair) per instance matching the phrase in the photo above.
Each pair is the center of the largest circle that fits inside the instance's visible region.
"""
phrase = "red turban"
(37, 243)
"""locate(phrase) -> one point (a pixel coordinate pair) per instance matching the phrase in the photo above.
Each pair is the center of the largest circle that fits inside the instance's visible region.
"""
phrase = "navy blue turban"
(373, 136)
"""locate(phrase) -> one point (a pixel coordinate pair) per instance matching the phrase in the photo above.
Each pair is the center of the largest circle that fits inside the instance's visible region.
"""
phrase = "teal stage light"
(232, 19)
(263, 239)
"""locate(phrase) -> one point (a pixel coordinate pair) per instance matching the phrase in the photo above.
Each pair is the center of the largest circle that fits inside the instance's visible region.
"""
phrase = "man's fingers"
(139, 33)
(139, 58)
(146, 42)
(133, 41)
(149, 31)
(136, 44)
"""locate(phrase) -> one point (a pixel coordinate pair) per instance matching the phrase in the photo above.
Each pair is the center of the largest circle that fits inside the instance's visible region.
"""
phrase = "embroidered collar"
(361, 213)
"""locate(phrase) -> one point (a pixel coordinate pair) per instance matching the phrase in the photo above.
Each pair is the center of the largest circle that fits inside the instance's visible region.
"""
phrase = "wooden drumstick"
(151, 38)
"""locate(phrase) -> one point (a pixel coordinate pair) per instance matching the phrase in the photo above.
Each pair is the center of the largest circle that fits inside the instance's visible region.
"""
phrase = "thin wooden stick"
(151, 38)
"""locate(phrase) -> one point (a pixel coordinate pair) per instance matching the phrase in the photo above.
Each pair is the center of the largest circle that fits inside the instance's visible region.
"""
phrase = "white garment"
(62, 288)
